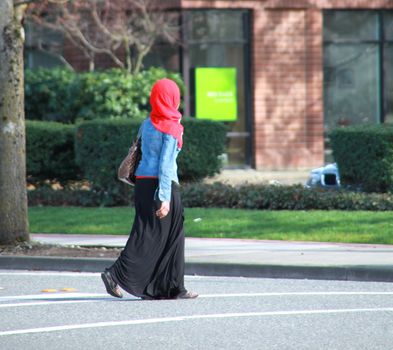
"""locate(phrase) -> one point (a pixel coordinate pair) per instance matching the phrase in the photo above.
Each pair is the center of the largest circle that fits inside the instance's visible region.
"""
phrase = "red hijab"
(164, 101)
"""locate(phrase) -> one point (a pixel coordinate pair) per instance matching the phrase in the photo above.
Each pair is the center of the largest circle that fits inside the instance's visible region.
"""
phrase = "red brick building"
(304, 67)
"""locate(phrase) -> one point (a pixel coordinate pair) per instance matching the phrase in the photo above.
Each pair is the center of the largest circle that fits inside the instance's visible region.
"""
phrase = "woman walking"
(151, 266)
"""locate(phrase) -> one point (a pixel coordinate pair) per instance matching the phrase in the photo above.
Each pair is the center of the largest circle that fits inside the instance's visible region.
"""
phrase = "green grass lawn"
(323, 226)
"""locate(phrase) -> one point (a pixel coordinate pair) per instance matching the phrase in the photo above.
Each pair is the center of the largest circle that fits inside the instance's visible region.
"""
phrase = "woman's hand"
(164, 210)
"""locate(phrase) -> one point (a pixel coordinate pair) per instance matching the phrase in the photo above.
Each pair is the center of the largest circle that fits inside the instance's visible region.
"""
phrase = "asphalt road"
(231, 313)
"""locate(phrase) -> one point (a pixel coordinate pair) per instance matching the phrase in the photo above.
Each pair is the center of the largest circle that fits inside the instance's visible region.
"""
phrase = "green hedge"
(50, 151)
(262, 197)
(364, 155)
(204, 142)
(50, 94)
(46, 196)
(66, 96)
(101, 145)
(273, 197)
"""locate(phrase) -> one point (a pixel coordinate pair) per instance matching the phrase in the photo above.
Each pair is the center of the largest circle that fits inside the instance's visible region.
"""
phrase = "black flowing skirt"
(152, 262)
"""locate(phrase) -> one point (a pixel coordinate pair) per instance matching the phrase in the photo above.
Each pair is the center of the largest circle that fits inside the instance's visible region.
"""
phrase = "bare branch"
(101, 26)
(28, 2)
(53, 54)
(125, 30)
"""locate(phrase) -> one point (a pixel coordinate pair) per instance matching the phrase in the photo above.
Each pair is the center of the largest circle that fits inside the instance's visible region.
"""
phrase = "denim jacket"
(159, 153)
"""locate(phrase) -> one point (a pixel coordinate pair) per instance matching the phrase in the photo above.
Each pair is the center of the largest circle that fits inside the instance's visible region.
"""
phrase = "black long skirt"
(152, 262)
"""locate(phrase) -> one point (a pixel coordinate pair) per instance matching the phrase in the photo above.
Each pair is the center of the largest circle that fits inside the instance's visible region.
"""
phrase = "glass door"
(220, 38)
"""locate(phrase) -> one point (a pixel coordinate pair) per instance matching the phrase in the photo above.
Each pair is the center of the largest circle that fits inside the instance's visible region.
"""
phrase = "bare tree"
(124, 30)
(13, 200)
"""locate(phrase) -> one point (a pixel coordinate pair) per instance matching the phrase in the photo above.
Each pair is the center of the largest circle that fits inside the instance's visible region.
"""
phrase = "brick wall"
(287, 76)
(328, 4)
(287, 81)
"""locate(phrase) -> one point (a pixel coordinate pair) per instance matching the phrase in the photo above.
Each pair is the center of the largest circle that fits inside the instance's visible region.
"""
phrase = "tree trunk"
(91, 64)
(139, 59)
(13, 197)
(127, 52)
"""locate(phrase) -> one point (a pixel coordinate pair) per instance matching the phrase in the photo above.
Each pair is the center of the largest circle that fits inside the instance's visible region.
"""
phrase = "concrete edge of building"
(366, 273)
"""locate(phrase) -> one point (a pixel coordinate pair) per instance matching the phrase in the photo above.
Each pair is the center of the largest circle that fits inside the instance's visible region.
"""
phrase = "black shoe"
(110, 285)
(187, 295)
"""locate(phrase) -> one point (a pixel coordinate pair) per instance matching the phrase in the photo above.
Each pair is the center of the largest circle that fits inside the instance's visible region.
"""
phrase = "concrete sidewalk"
(235, 257)
(253, 176)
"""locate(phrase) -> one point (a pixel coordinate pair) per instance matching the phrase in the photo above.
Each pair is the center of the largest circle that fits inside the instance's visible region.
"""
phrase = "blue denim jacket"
(159, 153)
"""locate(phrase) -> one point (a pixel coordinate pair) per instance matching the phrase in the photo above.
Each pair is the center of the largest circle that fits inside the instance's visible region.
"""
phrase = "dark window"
(351, 68)
(220, 38)
(358, 67)
(350, 26)
(43, 47)
(388, 65)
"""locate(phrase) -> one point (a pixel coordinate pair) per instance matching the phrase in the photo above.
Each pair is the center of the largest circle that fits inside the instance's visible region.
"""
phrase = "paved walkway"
(244, 251)
(235, 257)
(252, 176)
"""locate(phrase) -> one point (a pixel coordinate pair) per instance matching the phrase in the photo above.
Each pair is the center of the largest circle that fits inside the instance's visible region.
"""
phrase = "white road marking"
(58, 298)
(94, 274)
(240, 295)
(71, 298)
(77, 274)
(53, 296)
(49, 273)
(40, 303)
(187, 318)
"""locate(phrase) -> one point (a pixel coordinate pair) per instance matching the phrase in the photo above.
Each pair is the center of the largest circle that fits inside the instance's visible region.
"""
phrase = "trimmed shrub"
(273, 197)
(101, 146)
(364, 155)
(66, 197)
(218, 195)
(115, 93)
(204, 142)
(50, 151)
(66, 96)
(49, 94)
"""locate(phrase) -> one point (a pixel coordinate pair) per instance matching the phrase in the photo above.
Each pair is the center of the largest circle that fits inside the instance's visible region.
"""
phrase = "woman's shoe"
(187, 295)
(110, 285)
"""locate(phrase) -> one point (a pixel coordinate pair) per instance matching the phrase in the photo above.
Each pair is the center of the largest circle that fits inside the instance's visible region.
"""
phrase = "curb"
(343, 273)
(51, 263)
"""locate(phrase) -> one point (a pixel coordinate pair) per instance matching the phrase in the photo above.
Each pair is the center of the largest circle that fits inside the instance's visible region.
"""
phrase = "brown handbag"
(128, 166)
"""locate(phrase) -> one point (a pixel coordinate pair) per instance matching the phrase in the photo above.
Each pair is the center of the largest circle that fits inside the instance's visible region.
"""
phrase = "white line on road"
(49, 273)
(239, 295)
(53, 296)
(82, 274)
(58, 298)
(222, 295)
(187, 318)
(71, 298)
(40, 303)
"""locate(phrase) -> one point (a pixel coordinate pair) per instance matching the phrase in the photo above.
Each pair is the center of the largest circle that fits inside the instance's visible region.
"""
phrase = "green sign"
(216, 94)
